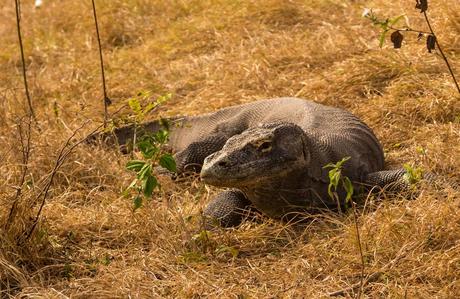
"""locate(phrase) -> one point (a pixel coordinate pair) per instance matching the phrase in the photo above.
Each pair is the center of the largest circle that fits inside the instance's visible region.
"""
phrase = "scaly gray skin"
(272, 153)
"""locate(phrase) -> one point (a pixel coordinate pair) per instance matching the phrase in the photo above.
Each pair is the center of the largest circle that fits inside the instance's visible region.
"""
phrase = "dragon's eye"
(265, 146)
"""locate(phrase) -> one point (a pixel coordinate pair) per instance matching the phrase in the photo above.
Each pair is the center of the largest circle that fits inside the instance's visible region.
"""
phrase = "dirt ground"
(210, 54)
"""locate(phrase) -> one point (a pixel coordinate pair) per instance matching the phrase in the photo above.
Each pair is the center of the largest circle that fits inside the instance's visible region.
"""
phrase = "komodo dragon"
(272, 153)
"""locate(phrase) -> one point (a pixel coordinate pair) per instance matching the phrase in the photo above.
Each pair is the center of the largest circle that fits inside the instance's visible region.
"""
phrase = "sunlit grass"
(212, 54)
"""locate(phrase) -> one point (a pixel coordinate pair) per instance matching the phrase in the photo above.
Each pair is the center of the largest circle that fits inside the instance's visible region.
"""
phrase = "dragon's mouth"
(227, 181)
(243, 175)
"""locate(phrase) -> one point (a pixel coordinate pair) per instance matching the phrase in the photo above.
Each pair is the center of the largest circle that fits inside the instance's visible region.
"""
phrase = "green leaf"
(348, 187)
(341, 162)
(126, 193)
(135, 105)
(149, 107)
(144, 145)
(167, 161)
(329, 191)
(163, 98)
(384, 24)
(329, 165)
(148, 138)
(162, 136)
(133, 183)
(150, 153)
(337, 165)
(382, 38)
(334, 176)
(395, 20)
(413, 175)
(149, 185)
(145, 171)
(137, 202)
(147, 149)
(135, 165)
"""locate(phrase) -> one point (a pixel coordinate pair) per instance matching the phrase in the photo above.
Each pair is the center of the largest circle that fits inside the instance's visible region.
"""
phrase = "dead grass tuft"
(211, 54)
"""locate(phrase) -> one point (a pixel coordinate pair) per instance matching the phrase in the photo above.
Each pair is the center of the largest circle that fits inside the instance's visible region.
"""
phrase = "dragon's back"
(335, 132)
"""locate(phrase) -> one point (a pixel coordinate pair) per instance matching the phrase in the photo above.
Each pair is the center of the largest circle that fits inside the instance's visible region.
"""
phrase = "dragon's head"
(261, 154)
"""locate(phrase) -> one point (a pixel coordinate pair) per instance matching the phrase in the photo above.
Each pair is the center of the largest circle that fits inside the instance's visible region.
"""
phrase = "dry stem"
(25, 150)
(444, 57)
(101, 59)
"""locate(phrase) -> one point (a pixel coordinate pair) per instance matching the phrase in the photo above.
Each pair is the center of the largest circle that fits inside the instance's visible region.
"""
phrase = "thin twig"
(375, 275)
(25, 148)
(25, 141)
(355, 216)
(407, 29)
(376, 21)
(444, 57)
(104, 88)
(24, 74)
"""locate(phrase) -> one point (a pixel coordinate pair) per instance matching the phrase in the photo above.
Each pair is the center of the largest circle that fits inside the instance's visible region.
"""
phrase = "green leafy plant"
(388, 24)
(150, 149)
(336, 179)
(141, 104)
(413, 174)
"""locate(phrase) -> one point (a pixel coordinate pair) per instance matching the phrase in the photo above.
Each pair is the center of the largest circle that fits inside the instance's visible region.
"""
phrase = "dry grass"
(211, 54)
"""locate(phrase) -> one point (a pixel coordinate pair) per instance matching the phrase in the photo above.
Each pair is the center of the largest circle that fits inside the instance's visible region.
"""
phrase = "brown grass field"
(211, 54)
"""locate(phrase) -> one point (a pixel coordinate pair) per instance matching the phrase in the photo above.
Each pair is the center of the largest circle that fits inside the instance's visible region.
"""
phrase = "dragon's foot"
(228, 209)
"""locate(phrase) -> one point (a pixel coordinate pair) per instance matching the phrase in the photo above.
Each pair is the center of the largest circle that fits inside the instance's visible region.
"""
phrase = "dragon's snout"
(216, 169)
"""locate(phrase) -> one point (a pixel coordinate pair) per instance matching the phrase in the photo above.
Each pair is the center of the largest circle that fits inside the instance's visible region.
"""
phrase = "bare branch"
(444, 57)
(361, 282)
(25, 149)
(107, 100)
(407, 29)
(24, 74)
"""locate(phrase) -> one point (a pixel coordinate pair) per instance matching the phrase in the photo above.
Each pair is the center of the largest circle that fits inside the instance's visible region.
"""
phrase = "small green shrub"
(336, 178)
(151, 146)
